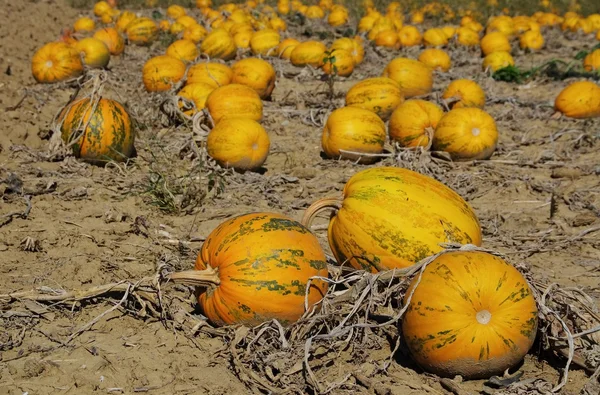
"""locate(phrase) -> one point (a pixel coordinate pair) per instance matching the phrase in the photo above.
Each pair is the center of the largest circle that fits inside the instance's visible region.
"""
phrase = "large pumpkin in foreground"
(580, 99)
(472, 314)
(390, 217)
(256, 267)
(108, 136)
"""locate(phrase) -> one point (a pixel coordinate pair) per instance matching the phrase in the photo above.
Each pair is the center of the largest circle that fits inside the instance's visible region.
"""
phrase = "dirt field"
(538, 200)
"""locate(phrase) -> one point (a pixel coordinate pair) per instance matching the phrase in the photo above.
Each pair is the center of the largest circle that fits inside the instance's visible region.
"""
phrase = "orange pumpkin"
(197, 93)
(219, 44)
(112, 39)
(436, 59)
(387, 39)
(56, 61)
(255, 268)
(410, 36)
(142, 31)
(498, 60)
(256, 73)
(350, 132)
(98, 132)
(234, 100)
(94, 52)
(184, 50)
(265, 42)
(240, 143)
(338, 62)
(414, 77)
(308, 53)
(381, 95)
(579, 100)
(592, 60)
(464, 93)
(466, 134)
(161, 72)
(413, 122)
(471, 314)
(84, 24)
(212, 73)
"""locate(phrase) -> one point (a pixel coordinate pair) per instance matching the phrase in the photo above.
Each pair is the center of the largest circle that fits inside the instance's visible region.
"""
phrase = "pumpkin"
(278, 24)
(579, 100)
(56, 61)
(435, 37)
(212, 73)
(203, 4)
(592, 61)
(351, 45)
(436, 59)
(308, 53)
(471, 314)
(175, 11)
(161, 72)
(498, 60)
(467, 37)
(101, 8)
(315, 12)
(350, 132)
(186, 21)
(219, 44)
(464, 93)
(142, 31)
(387, 39)
(240, 143)
(381, 95)
(242, 38)
(84, 24)
(494, 42)
(338, 62)
(256, 73)
(337, 18)
(194, 33)
(264, 42)
(417, 18)
(123, 20)
(94, 52)
(466, 134)
(531, 40)
(184, 50)
(197, 93)
(112, 39)
(409, 36)
(390, 217)
(255, 268)
(414, 77)
(413, 122)
(449, 31)
(234, 100)
(98, 132)
(285, 48)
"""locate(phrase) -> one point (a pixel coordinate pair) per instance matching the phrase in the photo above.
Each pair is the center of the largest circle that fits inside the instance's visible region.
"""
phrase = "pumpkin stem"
(199, 278)
(317, 207)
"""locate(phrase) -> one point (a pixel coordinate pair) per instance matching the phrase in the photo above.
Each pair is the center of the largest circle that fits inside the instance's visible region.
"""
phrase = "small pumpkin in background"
(381, 95)
(255, 268)
(112, 39)
(142, 31)
(175, 11)
(435, 58)
(435, 37)
(413, 123)
(410, 36)
(498, 60)
(255, 73)
(197, 93)
(99, 136)
(84, 24)
(265, 42)
(466, 134)
(580, 100)
(123, 20)
(532, 40)
(308, 53)
(352, 45)
(94, 52)
(194, 33)
(494, 42)
(338, 62)
(56, 61)
(101, 8)
(234, 100)
(285, 48)
(464, 93)
(352, 131)
(592, 61)
(161, 72)
(219, 44)
(184, 50)
(387, 39)
(467, 37)
(471, 314)
(414, 77)
(239, 143)
(212, 73)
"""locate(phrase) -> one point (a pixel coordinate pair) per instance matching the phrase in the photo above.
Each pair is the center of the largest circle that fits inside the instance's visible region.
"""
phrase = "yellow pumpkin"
(350, 132)
(234, 101)
(84, 24)
(449, 31)
(471, 314)
(161, 72)
(264, 42)
(219, 44)
(175, 28)
(56, 61)
(413, 123)
(184, 50)
(592, 61)
(211, 73)
(285, 48)
(387, 39)
(467, 37)
(315, 12)
(436, 59)
(381, 95)
(498, 60)
(112, 39)
(466, 134)
(338, 62)
(337, 18)
(240, 143)
(123, 20)
(390, 217)
(464, 93)
(203, 4)
(197, 93)
(94, 52)
(435, 37)
(579, 100)
(255, 73)
(414, 77)
(142, 31)
(494, 42)
(308, 53)
(531, 40)
(175, 11)
(101, 8)
(194, 33)
(186, 21)
(351, 45)
(410, 36)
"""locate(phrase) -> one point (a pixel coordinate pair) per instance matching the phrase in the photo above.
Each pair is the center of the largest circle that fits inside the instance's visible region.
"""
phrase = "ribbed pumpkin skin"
(94, 52)
(498, 60)
(466, 134)
(198, 93)
(353, 46)
(381, 95)
(56, 61)
(161, 72)
(592, 61)
(112, 39)
(264, 262)
(443, 330)
(353, 129)
(468, 93)
(392, 218)
(265, 42)
(436, 59)
(184, 50)
(413, 121)
(234, 100)
(285, 48)
(494, 42)
(108, 136)
(308, 53)
(124, 19)
(212, 73)
(142, 31)
(240, 143)
(579, 100)
(219, 44)
(410, 36)
(255, 73)
(414, 77)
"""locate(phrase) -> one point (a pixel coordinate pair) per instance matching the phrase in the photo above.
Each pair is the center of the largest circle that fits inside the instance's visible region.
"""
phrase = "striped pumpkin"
(56, 62)
(390, 218)
(219, 44)
(256, 267)
(142, 31)
(381, 95)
